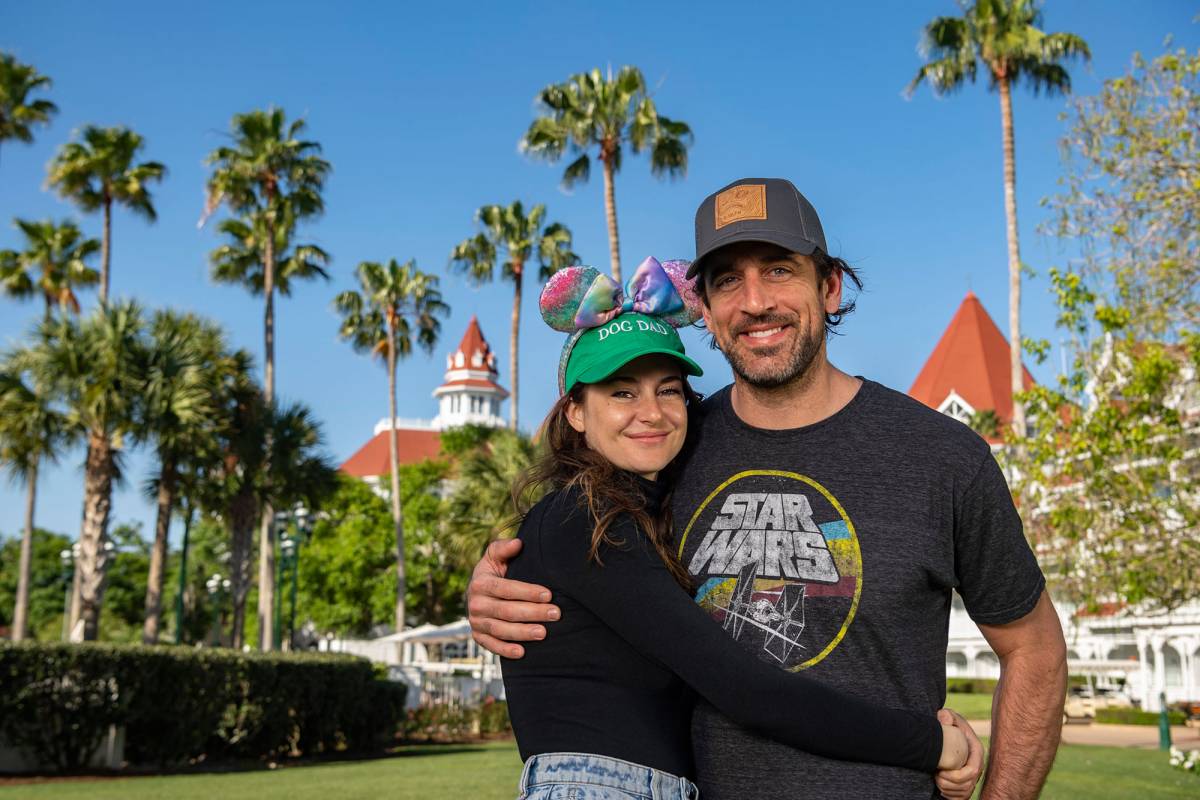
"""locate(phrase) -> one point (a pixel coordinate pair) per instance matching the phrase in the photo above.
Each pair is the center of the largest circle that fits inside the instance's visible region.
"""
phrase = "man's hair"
(825, 264)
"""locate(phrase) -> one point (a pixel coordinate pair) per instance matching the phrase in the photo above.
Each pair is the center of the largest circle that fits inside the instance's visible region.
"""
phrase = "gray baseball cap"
(757, 210)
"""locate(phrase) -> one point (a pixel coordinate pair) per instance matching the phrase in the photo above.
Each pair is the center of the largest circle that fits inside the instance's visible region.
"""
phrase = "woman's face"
(637, 419)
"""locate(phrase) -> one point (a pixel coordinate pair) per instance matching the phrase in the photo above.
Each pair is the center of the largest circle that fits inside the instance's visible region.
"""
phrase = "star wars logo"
(774, 531)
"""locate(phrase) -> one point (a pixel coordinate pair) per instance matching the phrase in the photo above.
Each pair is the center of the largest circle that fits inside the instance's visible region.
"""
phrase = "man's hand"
(958, 784)
(500, 610)
(1028, 705)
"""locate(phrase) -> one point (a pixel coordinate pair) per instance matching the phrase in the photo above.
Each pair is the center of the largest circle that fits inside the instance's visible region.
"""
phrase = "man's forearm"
(1026, 725)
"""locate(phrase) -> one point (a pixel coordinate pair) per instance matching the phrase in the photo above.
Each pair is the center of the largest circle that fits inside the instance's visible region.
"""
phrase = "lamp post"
(289, 547)
(217, 585)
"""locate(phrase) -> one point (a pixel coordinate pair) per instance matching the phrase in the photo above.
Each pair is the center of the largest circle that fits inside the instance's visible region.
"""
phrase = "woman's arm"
(635, 595)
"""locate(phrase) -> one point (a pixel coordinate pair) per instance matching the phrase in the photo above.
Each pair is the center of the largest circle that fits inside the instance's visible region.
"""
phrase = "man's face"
(766, 311)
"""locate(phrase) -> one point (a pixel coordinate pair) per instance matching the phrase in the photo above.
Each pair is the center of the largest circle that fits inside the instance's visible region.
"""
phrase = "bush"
(179, 704)
(971, 685)
(1135, 716)
(456, 723)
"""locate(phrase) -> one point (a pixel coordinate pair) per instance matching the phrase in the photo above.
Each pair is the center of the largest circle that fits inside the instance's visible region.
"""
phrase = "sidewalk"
(1143, 737)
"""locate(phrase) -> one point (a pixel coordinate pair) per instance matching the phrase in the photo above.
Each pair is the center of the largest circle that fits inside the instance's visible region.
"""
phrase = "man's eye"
(723, 282)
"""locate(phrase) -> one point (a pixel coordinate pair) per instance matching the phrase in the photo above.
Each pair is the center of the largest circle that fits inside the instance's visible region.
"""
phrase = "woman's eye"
(623, 394)
(671, 391)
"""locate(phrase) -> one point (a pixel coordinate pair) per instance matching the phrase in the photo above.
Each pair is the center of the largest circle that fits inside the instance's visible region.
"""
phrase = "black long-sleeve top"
(615, 675)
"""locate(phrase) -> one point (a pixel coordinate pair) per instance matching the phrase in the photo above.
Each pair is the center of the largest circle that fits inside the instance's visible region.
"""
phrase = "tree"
(53, 264)
(178, 401)
(1108, 473)
(606, 112)
(48, 583)
(397, 309)
(1107, 478)
(1131, 193)
(240, 259)
(481, 508)
(99, 170)
(95, 367)
(18, 112)
(1005, 37)
(32, 432)
(273, 179)
(508, 232)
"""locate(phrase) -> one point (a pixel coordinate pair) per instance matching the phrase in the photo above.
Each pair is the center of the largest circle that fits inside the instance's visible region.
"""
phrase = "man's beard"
(803, 351)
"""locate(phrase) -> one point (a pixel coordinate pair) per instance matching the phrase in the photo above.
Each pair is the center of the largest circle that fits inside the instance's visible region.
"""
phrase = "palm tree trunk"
(610, 212)
(518, 272)
(158, 555)
(97, 503)
(266, 543)
(24, 570)
(1014, 257)
(105, 249)
(242, 514)
(393, 445)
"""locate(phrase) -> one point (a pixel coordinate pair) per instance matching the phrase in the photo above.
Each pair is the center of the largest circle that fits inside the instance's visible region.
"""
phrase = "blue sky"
(419, 108)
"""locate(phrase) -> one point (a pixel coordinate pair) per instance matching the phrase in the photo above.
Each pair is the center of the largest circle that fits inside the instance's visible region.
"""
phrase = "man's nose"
(756, 295)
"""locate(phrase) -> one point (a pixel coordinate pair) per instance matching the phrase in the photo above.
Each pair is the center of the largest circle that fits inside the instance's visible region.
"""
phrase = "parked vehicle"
(1080, 705)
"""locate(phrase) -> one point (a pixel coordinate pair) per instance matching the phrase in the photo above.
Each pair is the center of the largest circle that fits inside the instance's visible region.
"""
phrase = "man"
(826, 520)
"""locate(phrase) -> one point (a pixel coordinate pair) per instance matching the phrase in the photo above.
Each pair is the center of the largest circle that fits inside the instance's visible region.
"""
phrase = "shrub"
(971, 685)
(1135, 716)
(493, 716)
(178, 704)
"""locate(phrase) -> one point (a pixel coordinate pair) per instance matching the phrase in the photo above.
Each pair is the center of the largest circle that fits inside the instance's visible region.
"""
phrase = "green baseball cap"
(592, 355)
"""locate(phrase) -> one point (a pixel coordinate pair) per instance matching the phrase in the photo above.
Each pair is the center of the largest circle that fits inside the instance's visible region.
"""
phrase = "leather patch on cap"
(738, 203)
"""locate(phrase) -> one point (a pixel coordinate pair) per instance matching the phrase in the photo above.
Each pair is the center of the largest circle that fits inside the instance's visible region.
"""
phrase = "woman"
(602, 708)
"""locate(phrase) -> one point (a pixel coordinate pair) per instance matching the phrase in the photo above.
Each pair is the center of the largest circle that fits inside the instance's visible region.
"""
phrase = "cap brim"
(792, 241)
(600, 372)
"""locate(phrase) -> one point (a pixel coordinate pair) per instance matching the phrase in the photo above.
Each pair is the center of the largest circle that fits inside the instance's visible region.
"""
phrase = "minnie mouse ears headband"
(578, 298)
(656, 299)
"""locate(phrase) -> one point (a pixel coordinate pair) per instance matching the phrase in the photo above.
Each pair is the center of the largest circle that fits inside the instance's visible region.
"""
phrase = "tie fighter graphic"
(782, 622)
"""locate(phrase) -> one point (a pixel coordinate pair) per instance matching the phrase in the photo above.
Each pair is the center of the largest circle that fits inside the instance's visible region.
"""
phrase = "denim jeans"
(583, 776)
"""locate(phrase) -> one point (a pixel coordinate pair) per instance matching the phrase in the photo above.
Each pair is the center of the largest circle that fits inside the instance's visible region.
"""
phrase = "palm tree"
(32, 432)
(273, 179)
(53, 263)
(175, 409)
(96, 367)
(398, 307)
(19, 113)
(481, 506)
(1005, 37)
(606, 112)
(240, 259)
(100, 170)
(508, 232)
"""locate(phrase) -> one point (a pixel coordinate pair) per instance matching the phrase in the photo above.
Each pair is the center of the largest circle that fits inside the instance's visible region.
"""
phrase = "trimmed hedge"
(179, 704)
(1135, 716)
(971, 685)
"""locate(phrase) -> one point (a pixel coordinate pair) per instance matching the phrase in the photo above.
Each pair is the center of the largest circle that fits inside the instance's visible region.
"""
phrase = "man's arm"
(1028, 704)
(503, 611)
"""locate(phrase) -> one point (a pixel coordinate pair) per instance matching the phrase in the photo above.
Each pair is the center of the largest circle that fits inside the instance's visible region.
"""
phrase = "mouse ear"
(563, 294)
(676, 270)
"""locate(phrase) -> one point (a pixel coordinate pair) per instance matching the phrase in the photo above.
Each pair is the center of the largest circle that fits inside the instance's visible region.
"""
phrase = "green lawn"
(490, 772)
(971, 706)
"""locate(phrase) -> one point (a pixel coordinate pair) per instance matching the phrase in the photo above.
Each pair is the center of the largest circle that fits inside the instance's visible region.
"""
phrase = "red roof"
(972, 360)
(473, 342)
(477, 383)
(372, 458)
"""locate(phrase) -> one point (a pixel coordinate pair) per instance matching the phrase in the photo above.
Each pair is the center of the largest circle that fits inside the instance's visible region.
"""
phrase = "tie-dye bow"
(579, 298)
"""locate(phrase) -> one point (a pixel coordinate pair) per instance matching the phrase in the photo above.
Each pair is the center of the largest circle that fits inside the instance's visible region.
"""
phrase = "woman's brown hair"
(606, 491)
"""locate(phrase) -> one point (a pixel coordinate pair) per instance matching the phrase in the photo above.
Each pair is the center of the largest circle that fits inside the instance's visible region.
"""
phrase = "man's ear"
(832, 290)
(575, 416)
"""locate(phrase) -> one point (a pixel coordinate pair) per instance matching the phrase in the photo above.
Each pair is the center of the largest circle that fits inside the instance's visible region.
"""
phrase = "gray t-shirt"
(834, 548)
